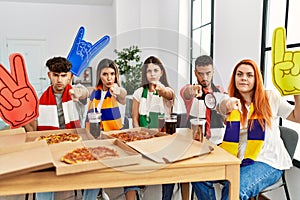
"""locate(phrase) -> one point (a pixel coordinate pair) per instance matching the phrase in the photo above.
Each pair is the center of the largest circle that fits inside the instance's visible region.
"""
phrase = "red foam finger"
(6, 79)
(5, 104)
(18, 69)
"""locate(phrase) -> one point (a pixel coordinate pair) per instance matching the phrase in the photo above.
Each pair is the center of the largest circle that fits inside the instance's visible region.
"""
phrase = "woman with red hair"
(252, 133)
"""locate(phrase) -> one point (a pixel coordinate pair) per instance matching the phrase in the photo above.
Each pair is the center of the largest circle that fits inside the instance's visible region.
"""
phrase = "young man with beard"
(193, 97)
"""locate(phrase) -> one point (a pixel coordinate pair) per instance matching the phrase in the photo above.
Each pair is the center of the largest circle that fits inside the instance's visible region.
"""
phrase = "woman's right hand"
(157, 85)
(115, 90)
(233, 103)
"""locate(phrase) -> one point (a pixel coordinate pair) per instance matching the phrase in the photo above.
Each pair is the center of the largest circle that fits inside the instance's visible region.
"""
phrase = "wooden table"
(218, 165)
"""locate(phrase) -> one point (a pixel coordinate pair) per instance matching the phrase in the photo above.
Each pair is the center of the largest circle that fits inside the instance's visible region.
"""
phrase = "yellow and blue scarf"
(110, 112)
(255, 137)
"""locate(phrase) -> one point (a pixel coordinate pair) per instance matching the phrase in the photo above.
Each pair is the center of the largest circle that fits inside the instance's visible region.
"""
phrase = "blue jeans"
(130, 188)
(253, 179)
(167, 191)
(90, 194)
(44, 195)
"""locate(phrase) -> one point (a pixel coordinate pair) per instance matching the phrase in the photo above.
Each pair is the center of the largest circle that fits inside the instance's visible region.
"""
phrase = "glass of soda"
(198, 128)
(94, 122)
(170, 124)
(161, 122)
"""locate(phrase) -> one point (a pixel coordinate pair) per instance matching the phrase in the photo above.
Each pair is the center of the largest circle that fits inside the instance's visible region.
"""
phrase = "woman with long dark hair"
(154, 97)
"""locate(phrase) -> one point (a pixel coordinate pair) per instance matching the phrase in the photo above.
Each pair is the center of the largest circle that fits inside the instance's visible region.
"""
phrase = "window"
(280, 13)
(201, 30)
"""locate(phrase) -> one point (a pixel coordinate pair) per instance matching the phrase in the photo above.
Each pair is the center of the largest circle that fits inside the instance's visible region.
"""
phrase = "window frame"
(201, 27)
(266, 50)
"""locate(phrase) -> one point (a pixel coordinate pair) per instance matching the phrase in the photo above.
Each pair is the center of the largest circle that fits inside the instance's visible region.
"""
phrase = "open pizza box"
(126, 156)
(171, 148)
(12, 137)
(148, 132)
(24, 158)
(12, 131)
(84, 134)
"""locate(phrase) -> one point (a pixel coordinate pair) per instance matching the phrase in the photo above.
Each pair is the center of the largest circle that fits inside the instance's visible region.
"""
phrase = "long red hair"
(260, 100)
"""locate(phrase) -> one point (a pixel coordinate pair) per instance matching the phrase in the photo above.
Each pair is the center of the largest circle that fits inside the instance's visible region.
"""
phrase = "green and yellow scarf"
(255, 137)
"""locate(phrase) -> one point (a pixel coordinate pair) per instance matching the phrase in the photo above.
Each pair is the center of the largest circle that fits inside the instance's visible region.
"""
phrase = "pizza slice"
(59, 138)
(130, 136)
(87, 154)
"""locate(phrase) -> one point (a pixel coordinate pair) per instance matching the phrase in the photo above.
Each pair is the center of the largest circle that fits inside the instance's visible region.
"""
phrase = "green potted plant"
(130, 66)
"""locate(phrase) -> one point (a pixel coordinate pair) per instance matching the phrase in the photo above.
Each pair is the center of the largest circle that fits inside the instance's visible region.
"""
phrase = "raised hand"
(115, 90)
(197, 91)
(233, 104)
(286, 65)
(18, 100)
(157, 85)
(82, 52)
(78, 92)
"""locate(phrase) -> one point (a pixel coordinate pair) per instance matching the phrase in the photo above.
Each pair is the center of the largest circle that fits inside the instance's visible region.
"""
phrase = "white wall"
(58, 24)
(154, 27)
(237, 34)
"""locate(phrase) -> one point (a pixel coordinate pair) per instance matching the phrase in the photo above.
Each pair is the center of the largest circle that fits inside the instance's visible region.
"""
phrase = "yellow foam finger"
(278, 45)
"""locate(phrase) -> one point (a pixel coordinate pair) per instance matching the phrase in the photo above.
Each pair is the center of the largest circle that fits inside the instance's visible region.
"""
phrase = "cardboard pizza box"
(7, 140)
(10, 137)
(12, 131)
(24, 158)
(85, 135)
(171, 148)
(152, 132)
(127, 156)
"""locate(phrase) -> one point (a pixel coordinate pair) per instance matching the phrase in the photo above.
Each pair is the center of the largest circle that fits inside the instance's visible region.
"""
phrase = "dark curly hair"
(58, 64)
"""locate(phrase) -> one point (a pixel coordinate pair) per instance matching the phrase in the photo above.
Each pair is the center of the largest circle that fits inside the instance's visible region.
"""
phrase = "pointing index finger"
(278, 45)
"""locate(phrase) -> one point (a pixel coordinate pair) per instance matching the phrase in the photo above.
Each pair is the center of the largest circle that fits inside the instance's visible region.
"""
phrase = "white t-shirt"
(198, 109)
(154, 103)
(103, 93)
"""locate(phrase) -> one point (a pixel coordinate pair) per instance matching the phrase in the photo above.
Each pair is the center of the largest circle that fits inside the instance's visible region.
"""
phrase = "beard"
(205, 84)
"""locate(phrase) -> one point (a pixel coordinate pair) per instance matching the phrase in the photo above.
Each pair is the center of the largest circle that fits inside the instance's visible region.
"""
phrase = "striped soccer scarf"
(110, 112)
(149, 113)
(255, 137)
(48, 107)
